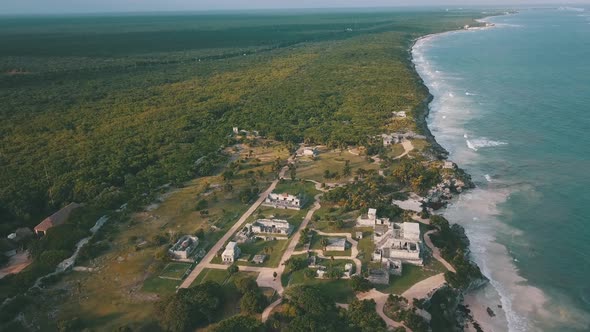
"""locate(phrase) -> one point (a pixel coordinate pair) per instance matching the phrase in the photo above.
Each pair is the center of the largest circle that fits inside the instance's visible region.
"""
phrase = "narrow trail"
(425, 287)
(408, 147)
(354, 252)
(436, 252)
(380, 300)
(267, 279)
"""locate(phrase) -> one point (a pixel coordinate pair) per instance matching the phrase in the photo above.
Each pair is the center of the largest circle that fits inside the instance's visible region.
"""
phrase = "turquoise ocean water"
(512, 106)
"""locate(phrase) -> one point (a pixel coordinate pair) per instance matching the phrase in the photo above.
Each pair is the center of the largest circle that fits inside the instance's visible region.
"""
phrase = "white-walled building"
(336, 244)
(283, 201)
(370, 219)
(272, 226)
(231, 252)
(400, 242)
(184, 247)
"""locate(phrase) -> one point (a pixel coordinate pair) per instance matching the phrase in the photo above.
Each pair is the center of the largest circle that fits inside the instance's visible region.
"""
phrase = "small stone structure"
(401, 241)
(378, 277)
(336, 244)
(283, 201)
(272, 226)
(449, 165)
(370, 219)
(184, 248)
(393, 266)
(231, 253)
(258, 259)
(307, 152)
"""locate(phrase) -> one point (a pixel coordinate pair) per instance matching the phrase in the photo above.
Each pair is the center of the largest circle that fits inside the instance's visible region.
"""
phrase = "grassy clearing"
(125, 268)
(160, 286)
(332, 161)
(366, 248)
(216, 275)
(316, 244)
(273, 249)
(411, 275)
(175, 270)
(339, 290)
(305, 189)
(395, 150)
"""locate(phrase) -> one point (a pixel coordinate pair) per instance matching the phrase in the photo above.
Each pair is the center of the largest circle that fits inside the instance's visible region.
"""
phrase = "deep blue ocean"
(512, 106)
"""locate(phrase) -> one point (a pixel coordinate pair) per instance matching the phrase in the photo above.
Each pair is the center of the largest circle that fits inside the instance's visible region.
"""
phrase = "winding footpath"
(408, 147)
(380, 300)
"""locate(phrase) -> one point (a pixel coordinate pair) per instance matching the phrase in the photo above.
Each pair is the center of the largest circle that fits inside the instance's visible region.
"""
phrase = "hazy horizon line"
(291, 10)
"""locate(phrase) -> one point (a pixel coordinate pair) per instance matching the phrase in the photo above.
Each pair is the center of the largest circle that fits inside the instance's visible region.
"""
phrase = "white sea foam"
(479, 143)
(572, 9)
(524, 307)
(483, 241)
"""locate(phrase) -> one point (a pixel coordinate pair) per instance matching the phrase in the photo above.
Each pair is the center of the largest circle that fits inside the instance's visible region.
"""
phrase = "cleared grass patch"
(411, 274)
(273, 249)
(160, 286)
(332, 161)
(175, 270)
(339, 290)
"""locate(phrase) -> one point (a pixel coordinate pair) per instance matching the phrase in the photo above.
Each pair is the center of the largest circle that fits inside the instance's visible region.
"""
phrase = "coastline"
(478, 316)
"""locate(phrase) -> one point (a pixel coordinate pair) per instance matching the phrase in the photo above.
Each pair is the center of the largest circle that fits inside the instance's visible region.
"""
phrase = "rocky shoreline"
(446, 305)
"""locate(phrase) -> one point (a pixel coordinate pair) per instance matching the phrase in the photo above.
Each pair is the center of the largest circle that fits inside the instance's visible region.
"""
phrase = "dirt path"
(211, 253)
(380, 300)
(436, 252)
(354, 252)
(408, 146)
(425, 287)
(16, 264)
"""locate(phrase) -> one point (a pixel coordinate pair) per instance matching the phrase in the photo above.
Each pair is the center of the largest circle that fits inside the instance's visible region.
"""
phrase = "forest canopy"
(109, 109)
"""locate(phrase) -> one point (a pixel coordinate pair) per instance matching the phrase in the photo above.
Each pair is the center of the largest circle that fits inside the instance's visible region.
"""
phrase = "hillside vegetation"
(107, 109)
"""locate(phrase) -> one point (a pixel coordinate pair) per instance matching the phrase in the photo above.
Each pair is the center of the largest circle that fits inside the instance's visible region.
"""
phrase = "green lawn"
(306, 189)
(338, 290)
(216, 275)
(332, 161)
(275, 251)
(316, 243)
(160, 286)
(175, 270)
(294, 217)
(411, 275)
(366, 247)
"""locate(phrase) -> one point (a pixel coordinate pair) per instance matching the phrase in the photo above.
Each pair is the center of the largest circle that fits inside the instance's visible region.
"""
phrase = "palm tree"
(324, 242)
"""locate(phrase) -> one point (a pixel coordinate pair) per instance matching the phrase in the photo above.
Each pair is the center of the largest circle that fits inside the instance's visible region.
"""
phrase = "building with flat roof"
(231, 253)
(400, 242)
(272, 226)
(370, 219)
(283, 201)
(336, 244)
(184, 248)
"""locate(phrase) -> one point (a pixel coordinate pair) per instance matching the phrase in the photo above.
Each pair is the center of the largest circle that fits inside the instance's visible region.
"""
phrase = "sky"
(93, 6)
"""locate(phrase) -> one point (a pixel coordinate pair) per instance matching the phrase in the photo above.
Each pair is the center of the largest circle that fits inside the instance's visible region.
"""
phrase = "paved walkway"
(219, 245)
